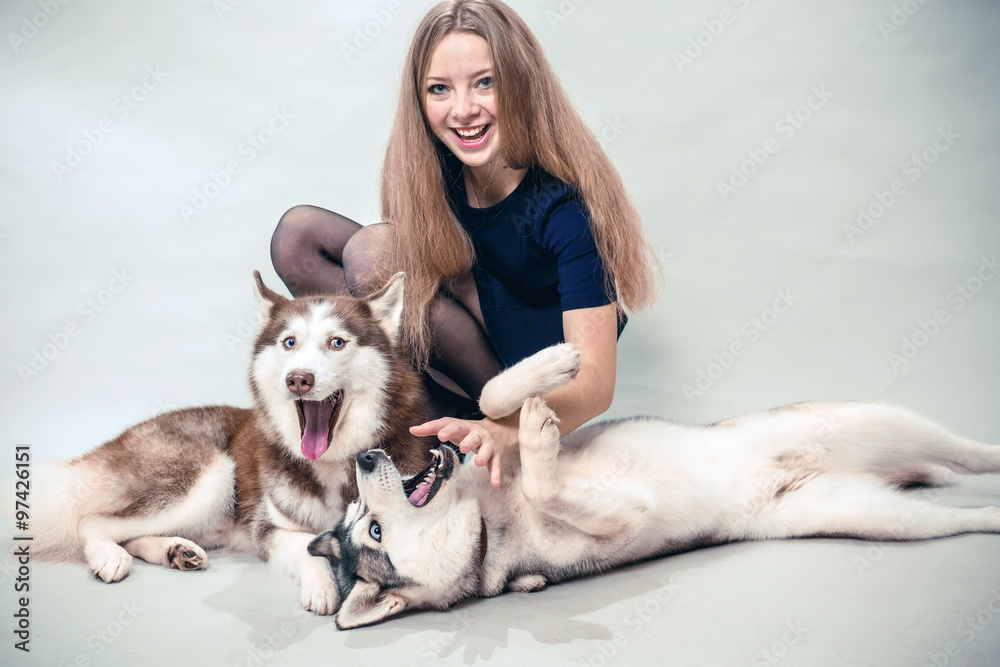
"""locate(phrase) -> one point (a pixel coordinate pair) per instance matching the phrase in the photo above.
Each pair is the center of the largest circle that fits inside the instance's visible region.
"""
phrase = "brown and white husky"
(328, 380)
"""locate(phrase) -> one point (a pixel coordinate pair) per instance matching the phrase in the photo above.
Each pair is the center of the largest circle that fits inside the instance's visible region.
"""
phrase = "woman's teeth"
(471, 134)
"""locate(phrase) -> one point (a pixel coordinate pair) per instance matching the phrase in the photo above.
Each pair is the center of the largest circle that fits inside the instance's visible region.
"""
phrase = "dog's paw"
(185, 555)
(537, 375)
(538, 427)
(527, 583)
(111, 563)
(559, 364)
(319, 595)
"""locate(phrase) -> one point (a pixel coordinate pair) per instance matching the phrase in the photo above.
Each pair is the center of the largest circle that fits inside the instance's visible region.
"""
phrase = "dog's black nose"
(299, 382)
(366, 460)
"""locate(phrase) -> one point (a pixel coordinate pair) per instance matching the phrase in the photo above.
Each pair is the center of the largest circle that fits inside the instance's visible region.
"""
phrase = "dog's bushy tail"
(536, 375)
(58, 493)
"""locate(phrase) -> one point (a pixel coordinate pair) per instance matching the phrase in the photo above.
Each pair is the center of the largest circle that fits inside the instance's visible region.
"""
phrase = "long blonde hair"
(540, 128)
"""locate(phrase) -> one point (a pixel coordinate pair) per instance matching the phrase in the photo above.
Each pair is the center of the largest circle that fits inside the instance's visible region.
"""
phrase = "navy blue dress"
(535, 258)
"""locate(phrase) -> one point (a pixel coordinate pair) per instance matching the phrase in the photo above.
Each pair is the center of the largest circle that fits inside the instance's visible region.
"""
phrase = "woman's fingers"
(495, 464)
(449, 429)
(470, 436)
(471, 441)
(432, 427)
(483, 452)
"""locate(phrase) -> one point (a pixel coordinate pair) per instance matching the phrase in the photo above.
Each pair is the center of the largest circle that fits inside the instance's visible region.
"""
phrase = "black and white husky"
(626, 491)
(328, 381)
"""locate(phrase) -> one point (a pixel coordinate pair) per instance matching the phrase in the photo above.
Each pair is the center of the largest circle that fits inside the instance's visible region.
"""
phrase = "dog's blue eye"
(375, 531)
(337, 343)
(289, 342)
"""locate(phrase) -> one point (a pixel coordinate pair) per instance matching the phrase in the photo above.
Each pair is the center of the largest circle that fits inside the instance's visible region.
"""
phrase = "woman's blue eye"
(289, 342)
(337, 343)
(486, 82)
(436, 89)
(375, 531)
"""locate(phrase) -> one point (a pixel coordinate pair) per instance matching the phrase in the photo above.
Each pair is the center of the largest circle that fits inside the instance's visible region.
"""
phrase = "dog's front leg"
(289, 550)
(571, 503)
(538, 442)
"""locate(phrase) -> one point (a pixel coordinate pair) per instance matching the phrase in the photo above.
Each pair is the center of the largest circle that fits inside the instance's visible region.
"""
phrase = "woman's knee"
(364, 252)
(293, 237)
(310, 229)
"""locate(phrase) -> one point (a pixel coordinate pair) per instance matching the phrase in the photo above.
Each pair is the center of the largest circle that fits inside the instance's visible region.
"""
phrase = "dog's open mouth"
(316, 421)
(425, 484)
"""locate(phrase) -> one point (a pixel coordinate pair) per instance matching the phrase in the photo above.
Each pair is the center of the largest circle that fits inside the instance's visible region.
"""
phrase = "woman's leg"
(462, 350)
(307, 250)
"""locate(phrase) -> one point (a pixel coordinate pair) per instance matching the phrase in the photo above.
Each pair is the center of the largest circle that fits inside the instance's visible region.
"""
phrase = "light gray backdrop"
(820, 181)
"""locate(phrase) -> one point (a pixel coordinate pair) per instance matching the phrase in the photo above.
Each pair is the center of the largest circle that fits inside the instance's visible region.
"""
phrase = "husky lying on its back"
(328, 381)
(621, 492)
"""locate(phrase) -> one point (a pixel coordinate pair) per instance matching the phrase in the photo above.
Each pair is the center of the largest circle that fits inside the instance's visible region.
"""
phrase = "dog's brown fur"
(264, 498)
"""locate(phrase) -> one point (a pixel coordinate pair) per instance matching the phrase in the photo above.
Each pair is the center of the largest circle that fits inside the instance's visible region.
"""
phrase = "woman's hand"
(594, 331)
(490, 440)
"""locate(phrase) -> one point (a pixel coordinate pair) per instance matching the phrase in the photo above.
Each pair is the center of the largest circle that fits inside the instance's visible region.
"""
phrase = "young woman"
(513, 227)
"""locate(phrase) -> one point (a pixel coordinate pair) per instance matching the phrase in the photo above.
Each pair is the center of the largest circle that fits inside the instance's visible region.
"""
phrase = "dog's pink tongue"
(314, 438)
(419, 497)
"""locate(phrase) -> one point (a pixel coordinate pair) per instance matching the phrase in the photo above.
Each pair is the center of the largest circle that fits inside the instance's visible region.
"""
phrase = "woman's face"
(458, 98)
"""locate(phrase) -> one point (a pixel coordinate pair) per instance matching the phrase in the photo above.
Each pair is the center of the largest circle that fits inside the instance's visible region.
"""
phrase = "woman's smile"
(472, 137)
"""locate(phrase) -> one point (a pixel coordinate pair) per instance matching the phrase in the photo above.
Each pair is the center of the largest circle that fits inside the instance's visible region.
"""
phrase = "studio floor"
(819, 181)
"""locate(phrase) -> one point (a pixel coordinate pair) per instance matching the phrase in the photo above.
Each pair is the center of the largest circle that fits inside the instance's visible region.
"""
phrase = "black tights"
(315, 251)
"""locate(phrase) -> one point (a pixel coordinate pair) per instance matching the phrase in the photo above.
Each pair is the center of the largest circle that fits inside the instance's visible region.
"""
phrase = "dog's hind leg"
(966, 456)
(892, 441)
(203, 510)
(173, 552)
(109, 543)
(846, 505)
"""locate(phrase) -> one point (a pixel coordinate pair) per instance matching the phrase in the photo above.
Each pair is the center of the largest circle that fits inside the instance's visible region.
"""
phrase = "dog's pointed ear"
(267, 299)
(387, 305)
(367, 604)
(326, 544)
